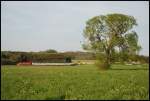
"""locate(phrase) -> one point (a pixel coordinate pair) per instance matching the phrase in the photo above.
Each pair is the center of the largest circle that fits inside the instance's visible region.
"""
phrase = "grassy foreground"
(75, 82)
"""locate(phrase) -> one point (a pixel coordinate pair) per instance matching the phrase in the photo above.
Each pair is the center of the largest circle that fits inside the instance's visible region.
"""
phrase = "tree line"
(12, 58)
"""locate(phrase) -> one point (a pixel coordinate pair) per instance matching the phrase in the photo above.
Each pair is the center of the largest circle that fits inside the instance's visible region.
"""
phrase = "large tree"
(106, 34)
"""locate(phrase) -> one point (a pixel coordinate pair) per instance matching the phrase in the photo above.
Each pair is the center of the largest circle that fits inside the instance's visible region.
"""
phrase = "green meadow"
(80, 82)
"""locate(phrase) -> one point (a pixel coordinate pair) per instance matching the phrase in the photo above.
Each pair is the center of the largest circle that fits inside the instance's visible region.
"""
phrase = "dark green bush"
(101, 62)
(102, 65)
(8, 62)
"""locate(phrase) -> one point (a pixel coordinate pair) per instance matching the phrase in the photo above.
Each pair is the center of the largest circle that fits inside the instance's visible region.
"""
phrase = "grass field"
(75, 82)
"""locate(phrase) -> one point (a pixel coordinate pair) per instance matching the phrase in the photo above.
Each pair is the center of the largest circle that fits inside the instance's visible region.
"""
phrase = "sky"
(42, 25)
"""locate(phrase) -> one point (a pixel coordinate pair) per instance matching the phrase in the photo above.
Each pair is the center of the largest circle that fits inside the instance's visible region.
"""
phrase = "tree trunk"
(108, 57)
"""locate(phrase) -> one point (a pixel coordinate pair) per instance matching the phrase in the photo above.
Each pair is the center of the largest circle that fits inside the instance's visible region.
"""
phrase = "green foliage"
(50, 51)
(12, 58)
(7, 56)
(48, 57)
(102, 65)
(105, 32)
(120, 23)
(101, 61)
(8, 62)
(68, 59)
(84, 82)
(139, 58)
(24, 57)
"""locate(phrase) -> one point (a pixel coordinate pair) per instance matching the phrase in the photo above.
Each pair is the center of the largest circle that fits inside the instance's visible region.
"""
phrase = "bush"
(68, 59)
(102, 65)
(101, 62)
(8, 62)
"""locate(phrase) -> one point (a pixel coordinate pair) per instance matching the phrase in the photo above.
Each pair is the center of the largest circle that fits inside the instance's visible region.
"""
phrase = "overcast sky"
(41, 25)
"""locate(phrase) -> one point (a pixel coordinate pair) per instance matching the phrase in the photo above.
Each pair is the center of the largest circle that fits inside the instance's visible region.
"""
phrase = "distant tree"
(5, 55)
(105, 33)
(24, 57)
(142, 59)
(50, 51)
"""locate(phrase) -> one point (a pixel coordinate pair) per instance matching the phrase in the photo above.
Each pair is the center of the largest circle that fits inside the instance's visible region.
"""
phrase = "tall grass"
(74, 82)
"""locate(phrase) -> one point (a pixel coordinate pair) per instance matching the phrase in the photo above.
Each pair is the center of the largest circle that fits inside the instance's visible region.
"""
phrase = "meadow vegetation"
(82, 82)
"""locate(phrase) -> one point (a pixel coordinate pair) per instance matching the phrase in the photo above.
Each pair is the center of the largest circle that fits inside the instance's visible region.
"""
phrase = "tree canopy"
(106, 33)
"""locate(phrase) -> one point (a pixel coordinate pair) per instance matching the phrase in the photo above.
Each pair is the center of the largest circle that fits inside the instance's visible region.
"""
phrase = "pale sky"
(41, 25)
